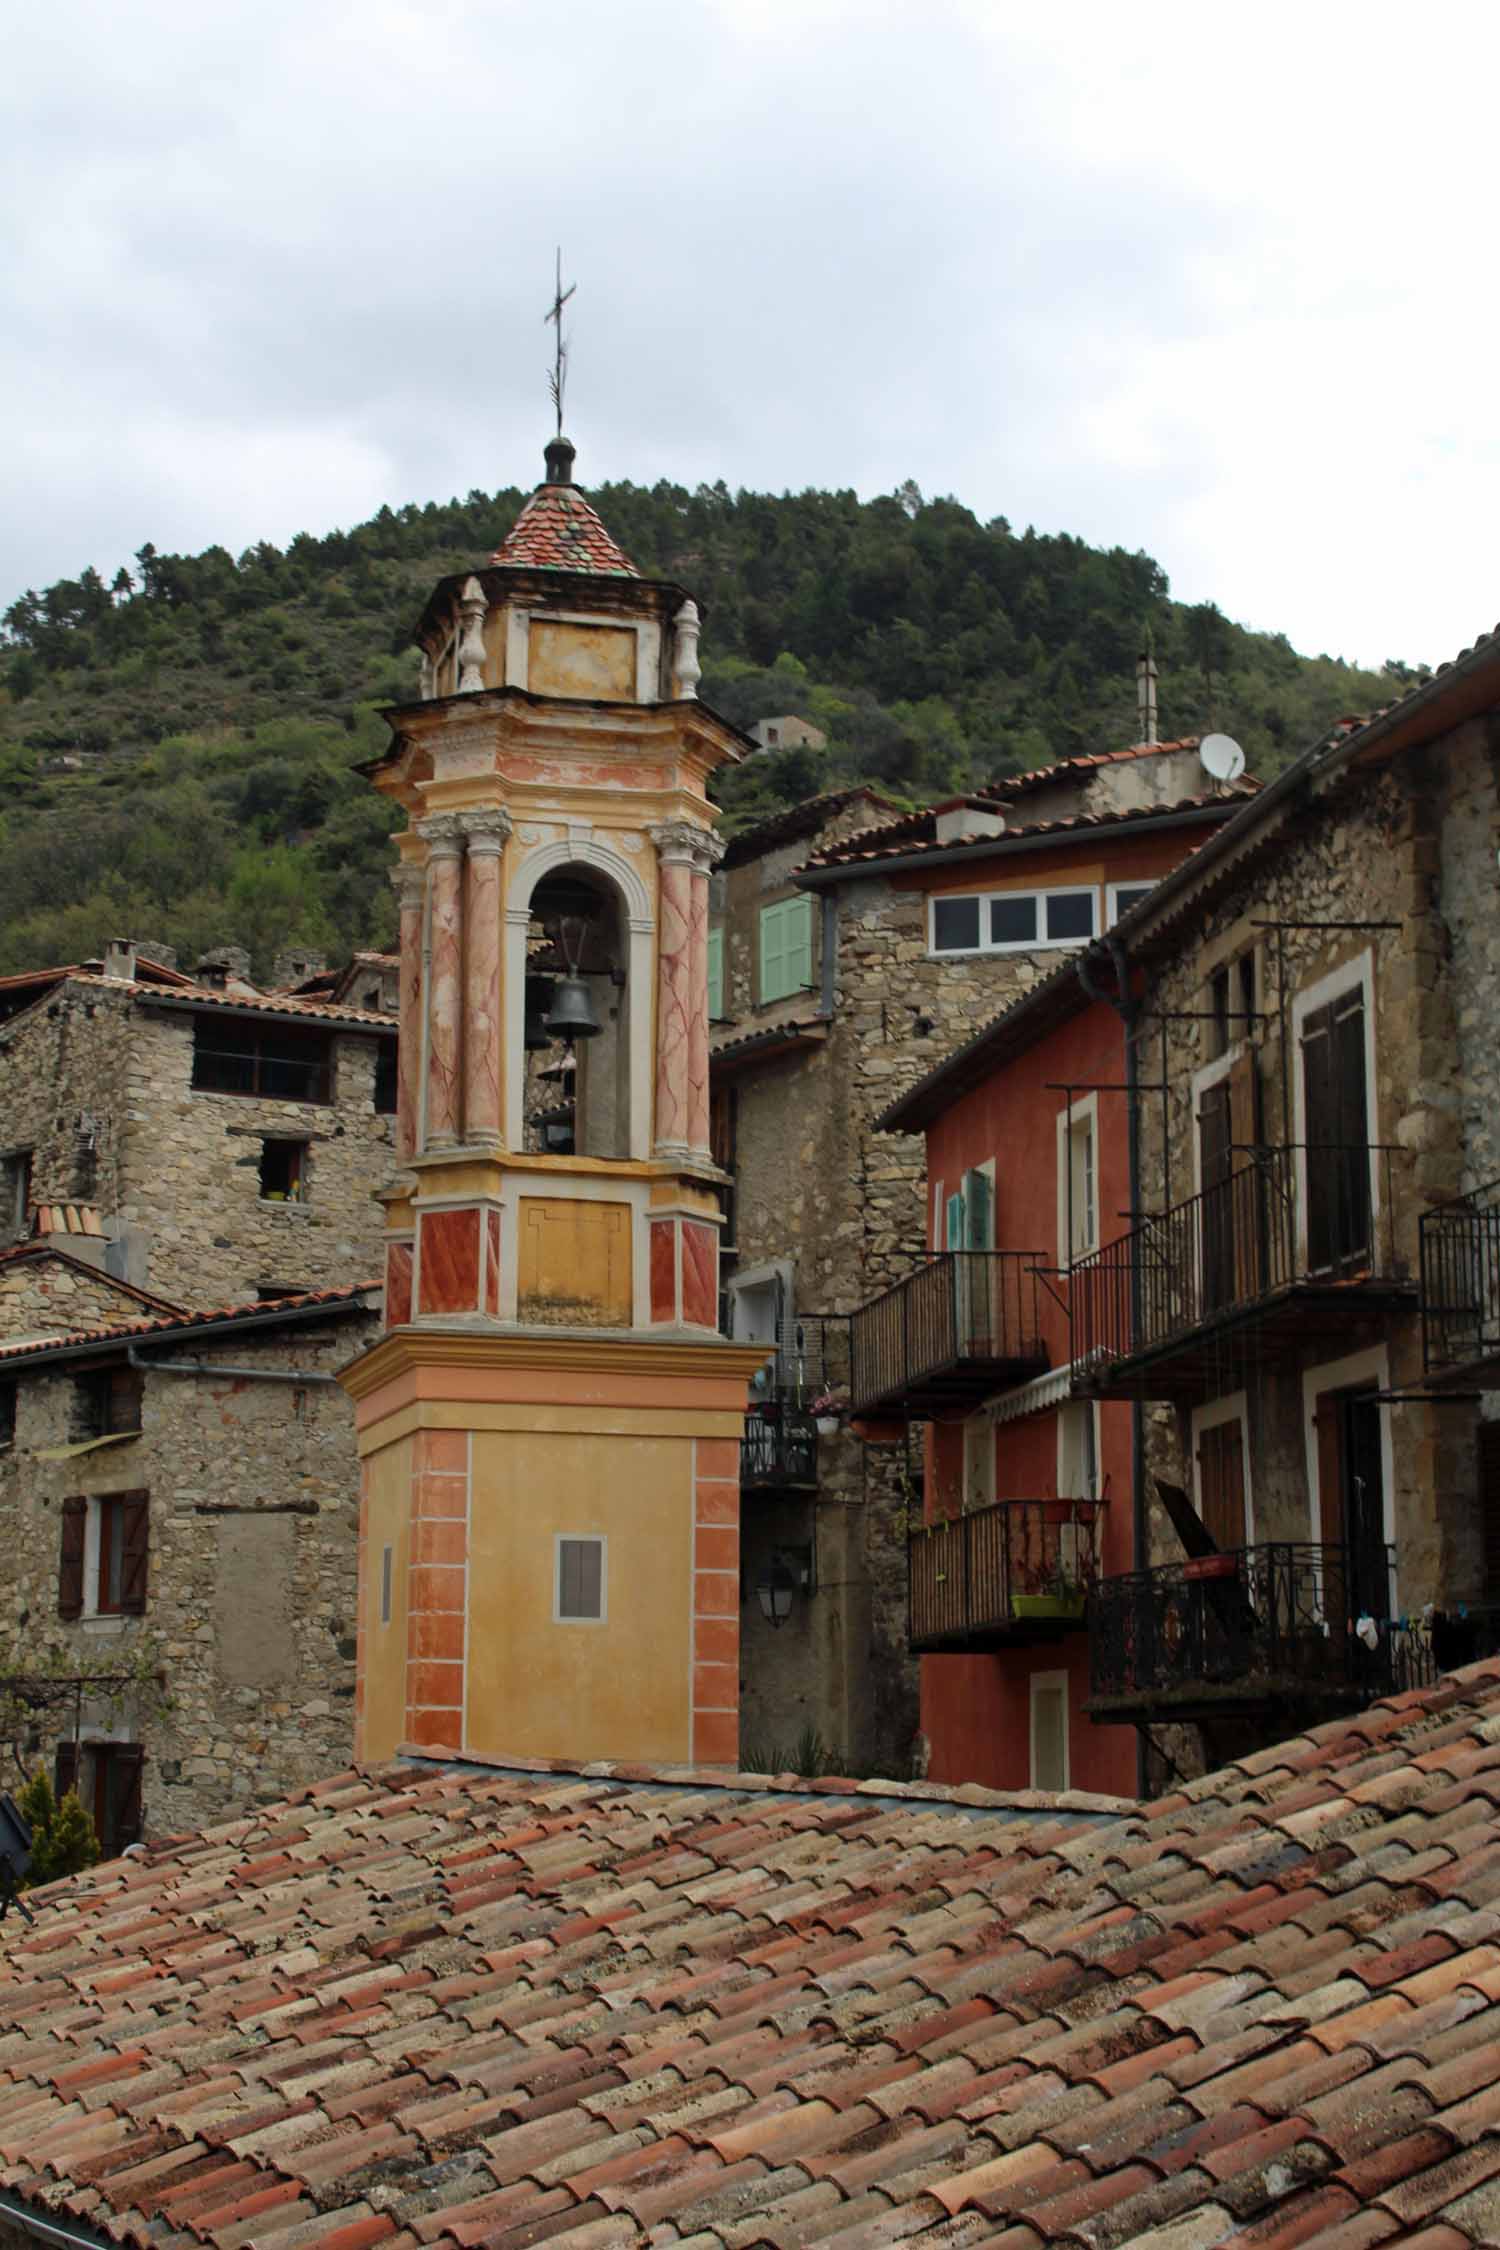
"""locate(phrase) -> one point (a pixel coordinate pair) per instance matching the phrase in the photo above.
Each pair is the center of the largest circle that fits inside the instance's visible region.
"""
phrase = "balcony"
(967, 1323)
(1460, 1267)
(1295, 1244)
(810, 1364)
(1257, 1630)
(1017, 1570)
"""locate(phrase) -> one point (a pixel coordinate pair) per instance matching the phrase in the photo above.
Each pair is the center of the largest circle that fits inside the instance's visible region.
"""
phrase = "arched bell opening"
(577, 1017)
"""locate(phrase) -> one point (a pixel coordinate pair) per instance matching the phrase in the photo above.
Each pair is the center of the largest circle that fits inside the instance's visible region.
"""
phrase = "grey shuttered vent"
(580, 1579)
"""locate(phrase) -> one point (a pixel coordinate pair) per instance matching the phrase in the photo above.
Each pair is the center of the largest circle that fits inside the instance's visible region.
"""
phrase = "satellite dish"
(1221, 756)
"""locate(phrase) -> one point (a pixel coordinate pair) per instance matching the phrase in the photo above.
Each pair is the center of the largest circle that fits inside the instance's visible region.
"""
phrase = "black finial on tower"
(559, 375)
(560, 455)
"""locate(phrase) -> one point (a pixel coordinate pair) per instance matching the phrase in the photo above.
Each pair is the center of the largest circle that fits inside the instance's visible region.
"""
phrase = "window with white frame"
(1078, 1180)
(1049, 1730)
(1013, 921)
(1121, 897)
(1077, 1450)
(580, 1592)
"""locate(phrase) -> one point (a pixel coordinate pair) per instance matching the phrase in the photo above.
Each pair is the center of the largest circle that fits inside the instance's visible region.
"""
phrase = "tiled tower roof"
(558, 529)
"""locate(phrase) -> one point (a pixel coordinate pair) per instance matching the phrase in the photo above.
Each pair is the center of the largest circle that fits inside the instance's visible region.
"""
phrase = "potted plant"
(1062, 1594)
(828, 1408)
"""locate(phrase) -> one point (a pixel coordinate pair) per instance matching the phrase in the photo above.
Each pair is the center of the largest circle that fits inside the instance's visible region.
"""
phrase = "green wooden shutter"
(979, 1207)
(955, 1222)
(785, 948)
(715, 975)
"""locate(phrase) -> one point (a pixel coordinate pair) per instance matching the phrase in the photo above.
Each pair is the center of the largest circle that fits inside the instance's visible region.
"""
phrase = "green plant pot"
(1047, 1605)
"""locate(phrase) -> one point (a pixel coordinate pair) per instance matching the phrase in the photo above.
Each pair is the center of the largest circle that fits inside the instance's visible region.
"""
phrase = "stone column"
(706, 856)
(675, 842)
(443, 834)
(486, 832)
(410, 884)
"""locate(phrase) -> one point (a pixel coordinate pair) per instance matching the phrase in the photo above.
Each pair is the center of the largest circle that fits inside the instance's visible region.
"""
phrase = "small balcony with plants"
(963, 1325)
(1287, 1627)
(800, 1395)
(1009, 1571)
(1460, 1289)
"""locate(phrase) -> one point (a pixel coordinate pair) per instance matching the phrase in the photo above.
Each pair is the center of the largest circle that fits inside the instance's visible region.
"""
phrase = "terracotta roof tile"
(184, 1324)
(559, 530)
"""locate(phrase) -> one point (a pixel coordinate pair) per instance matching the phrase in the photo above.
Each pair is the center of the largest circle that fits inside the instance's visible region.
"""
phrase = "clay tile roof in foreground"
(457, 2004)
(558, 530)
(262, 1312)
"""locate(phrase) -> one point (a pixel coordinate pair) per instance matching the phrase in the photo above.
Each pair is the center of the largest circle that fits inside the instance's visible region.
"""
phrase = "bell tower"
(550, 1425)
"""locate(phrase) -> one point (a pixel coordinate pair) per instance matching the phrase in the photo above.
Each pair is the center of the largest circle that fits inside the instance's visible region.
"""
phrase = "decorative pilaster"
(486, 832)
(471, 609)
(443, 833)
(707, 854)
(410, 885)
(676, 842)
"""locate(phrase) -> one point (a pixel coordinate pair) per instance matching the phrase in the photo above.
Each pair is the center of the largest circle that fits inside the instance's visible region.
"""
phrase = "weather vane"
(559, 374)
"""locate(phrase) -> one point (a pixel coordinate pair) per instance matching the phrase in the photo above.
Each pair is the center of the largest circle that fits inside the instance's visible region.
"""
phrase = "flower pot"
(1047, 1605)
(827, 1425)
(1210, 1566)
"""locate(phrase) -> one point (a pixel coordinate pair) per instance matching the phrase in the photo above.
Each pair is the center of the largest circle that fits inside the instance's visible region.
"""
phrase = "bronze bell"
(536, 1038)
(571, 1015)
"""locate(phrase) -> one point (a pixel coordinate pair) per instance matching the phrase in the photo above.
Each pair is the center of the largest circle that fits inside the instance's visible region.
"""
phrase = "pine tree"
(62, 1834)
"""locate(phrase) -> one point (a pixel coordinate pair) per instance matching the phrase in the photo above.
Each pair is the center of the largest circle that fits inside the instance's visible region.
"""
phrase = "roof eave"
(140, 1338)
(1006, 846)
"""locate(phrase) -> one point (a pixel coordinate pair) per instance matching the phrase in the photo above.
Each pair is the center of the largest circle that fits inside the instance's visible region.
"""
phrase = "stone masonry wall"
(1369, 851)
(62, 1065)
(254, 1498)
(46, 1295)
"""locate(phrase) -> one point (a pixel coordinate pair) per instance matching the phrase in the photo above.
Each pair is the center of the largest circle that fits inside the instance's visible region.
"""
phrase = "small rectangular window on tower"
(283, 1171)
(580, 1590)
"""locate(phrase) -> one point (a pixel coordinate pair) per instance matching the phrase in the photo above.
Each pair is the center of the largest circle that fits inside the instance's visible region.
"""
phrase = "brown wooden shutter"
(65, 1769)
(1328, 1422)
(135, 1509)
(70, 1560)
(1221, 1483)
(1489, 1505)
(1243, 1088)
(128, 1760)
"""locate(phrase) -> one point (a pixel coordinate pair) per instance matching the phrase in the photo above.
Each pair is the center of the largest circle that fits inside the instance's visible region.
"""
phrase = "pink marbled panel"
(492, 1264)
(674, 1003)
(397, 1284)
(697, 1004)
(444, 1000)
(409, 1044)
(700, 1275)
(482, 997)
(449, 1269)
(664, 1269)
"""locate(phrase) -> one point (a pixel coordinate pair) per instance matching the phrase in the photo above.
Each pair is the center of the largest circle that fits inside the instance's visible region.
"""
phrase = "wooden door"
(1221, 1484)
(1337, 1125)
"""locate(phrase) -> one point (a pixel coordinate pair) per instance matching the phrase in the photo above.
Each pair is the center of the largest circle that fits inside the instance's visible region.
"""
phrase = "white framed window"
(580, 1588)
(1078, 1180)
(1049, 1730)
(1078, 1450)
(786, 963)
(1012, 921)
(1119, 898)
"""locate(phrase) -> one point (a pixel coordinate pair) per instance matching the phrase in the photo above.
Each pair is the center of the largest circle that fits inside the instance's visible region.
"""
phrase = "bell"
(536, 1038)
(571, 1015)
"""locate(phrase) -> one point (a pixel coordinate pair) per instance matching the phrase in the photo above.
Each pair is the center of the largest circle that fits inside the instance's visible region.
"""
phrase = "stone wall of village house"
(190, 1174)
(62, 1064)
(1469, 802)
(250, 1607)
(1368, 851)
(47, 1296)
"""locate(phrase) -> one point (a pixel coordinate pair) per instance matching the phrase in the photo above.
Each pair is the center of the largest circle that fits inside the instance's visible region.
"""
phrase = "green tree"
(62, 1834)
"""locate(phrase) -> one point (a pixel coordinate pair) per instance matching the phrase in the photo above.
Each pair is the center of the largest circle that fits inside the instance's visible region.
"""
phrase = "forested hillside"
(176, 746)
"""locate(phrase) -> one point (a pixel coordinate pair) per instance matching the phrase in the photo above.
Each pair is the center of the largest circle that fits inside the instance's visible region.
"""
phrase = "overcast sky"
(1219, 284)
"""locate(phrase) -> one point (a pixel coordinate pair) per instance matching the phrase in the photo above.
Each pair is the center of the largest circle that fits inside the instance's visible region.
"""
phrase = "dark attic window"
(385, 1079)
(284, 1062)
(108, 1402)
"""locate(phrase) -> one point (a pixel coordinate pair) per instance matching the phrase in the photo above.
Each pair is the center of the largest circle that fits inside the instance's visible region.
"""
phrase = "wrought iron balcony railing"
(1460, 1268)
(1282, 1623)
(1296, 1217)
(779, 1450)
(964, 1324)
(1013, 1569)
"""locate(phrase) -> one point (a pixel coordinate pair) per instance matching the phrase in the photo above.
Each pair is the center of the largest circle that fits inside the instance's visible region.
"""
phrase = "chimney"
(1145, 696)
(223, 963)
(119, 959)
(960, 820)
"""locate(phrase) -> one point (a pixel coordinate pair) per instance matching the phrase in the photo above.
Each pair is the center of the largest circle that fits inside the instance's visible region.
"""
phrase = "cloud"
(1212, 287)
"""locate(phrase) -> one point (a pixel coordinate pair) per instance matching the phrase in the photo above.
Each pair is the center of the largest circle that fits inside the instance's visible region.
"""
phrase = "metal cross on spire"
(554, 312)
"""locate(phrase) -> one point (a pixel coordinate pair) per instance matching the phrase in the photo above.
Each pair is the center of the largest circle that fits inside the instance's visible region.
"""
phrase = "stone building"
(854, 946)
(57, 1282)
(230, 1140)
(788, 732)
(178, 1538)
(1310, 1299)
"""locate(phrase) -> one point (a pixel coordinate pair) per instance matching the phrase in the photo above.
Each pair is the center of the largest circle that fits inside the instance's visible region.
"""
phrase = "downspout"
(299, 1375)
(1128, 1011)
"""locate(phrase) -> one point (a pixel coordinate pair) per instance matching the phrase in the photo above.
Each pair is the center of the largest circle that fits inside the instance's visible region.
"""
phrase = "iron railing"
(1285, 1621)
(1013, 1563)
(979, 1307)
(1295, 1214)
(779, 1448)
(1460, 1268)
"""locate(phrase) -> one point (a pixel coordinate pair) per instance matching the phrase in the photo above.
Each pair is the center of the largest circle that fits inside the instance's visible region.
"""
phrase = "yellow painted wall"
(588, 660)
(574, 1262)
(387, 1506)
(615, 1690)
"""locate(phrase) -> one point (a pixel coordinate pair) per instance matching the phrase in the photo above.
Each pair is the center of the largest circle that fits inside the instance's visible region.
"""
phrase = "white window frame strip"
(1038, 944)
(1050, 1682)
